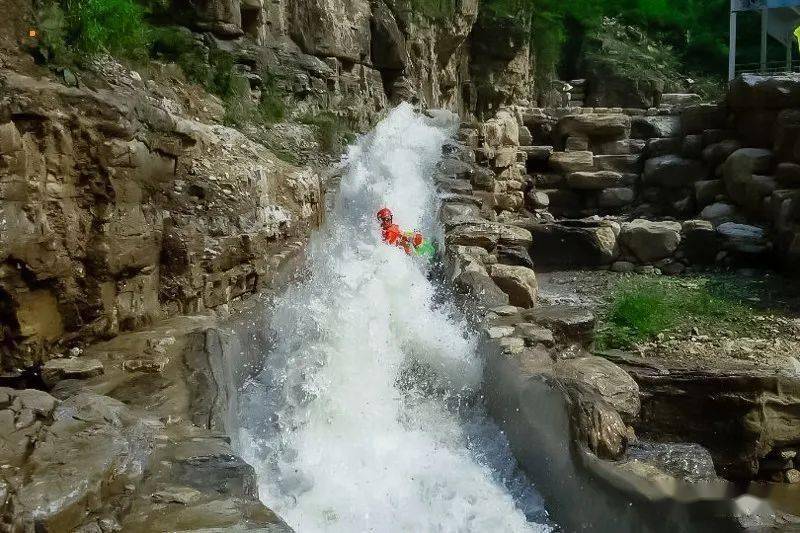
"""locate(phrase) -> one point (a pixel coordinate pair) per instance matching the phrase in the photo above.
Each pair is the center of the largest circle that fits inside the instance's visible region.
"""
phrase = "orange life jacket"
(392, 235)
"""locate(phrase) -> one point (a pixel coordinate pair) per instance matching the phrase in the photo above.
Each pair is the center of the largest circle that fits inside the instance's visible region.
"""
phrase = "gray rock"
(595, 125)
(699, 241)
(706, 191)
(649, 127)
(650, 241)
(659, 147)
(699, 117)
(625, 164)
(483, 178)
(572, 244)
(601, 179)
(673, 171)
(538, 199)
(716, 154)
(567, 162)
(788, 175)
(55, 370)
(537, 153)
(743, 238)
(679, 99)
(608, 380)
(751, 91)
(534, 334)
(37, 401)
(738, 171)
(569, 321)
(615, 197)
(692, 147)
(480, 290)
(574, 143)
(718, 213)
(518, 282)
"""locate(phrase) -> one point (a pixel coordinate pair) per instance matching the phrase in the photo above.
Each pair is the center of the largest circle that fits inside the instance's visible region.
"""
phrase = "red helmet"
(384, 213)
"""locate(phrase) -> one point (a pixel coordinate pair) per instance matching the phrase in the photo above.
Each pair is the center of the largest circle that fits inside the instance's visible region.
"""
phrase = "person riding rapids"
(409, 242)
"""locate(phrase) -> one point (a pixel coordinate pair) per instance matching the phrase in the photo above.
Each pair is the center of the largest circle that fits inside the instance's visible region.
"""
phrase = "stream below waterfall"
(367, 414)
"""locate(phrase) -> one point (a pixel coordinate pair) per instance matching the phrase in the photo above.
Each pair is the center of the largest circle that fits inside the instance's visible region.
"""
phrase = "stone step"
(537, 153)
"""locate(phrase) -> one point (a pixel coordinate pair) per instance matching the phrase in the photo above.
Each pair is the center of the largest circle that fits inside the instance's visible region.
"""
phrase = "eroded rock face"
(126, 211)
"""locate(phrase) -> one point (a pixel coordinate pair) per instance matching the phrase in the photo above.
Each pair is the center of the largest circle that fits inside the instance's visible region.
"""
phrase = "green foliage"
(641, 308)
(52, 25)
(73, 30)
(433, 9)
(239, 107)
(333, 133)
(179, 46)
(271, 105)
(114, 26)
(695, 32)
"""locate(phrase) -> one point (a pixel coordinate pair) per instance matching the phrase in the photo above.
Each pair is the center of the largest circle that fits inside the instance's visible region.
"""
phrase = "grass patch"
(641, 308)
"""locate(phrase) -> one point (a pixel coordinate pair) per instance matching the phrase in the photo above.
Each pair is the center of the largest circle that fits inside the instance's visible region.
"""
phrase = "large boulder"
(55, 370)
(707, 191)
(787, 133)
(673, 171)
(573, 243)
(518, 282)
(750, 91)
(600, 179)
(666, 146)
(487, 235)
(657, 126)
(699, 241)
(719, 212)
(788, 175)
(502, 130)
(715, 154)
(699, 117)
(615, 197)
(739, 168)
(650, 241)
(568, 162)
(476, 287)
(595, 126)
(743, 238)
(605, 378)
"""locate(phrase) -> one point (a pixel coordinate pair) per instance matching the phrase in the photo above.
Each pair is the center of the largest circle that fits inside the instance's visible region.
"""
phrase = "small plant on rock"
(333, 132)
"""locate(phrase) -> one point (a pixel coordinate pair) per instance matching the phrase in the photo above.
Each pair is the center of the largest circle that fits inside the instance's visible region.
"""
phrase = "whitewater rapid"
(363, 418)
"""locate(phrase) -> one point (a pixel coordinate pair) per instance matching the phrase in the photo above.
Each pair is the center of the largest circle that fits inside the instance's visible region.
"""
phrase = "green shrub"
(333, 132)
(271, 105)
(51, 23)
(114, 26)
(433, 9)
(239, 106)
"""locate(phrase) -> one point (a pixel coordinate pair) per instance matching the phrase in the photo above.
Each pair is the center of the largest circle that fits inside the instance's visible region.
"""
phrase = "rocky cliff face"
(358, 56)
(119, 209)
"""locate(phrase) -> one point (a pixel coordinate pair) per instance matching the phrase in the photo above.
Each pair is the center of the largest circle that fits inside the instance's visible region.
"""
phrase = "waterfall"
(366, 416)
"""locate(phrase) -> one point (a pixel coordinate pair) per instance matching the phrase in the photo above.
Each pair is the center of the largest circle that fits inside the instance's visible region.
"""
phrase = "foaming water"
(363, 417)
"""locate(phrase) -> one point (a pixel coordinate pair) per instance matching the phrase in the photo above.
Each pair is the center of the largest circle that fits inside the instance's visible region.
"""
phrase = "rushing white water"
(360, 420)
